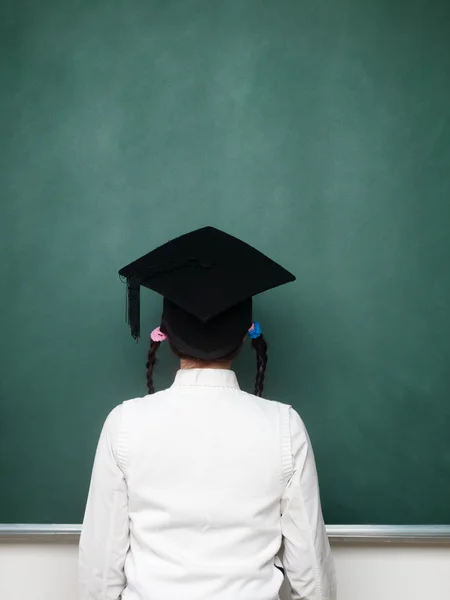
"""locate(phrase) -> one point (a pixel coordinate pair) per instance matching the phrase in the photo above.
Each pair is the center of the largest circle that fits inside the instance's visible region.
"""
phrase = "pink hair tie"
(157, 335)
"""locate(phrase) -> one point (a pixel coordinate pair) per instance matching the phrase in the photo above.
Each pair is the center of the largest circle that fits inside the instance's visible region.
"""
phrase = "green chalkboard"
(318, 131)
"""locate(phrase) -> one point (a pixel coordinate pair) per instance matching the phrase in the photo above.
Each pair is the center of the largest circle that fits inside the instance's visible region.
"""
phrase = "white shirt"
(194, 490)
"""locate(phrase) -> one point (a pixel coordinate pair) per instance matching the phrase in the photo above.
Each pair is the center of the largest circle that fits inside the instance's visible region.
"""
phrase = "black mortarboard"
(207, 279)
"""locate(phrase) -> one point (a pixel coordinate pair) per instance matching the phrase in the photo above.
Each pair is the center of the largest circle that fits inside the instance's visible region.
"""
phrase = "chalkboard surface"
(319, 132)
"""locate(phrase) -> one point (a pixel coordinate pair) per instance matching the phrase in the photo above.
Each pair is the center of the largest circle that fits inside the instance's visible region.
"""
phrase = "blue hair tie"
(255, 330)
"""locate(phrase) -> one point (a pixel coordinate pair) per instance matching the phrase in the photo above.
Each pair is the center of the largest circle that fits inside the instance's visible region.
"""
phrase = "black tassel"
(134, 306)
(133, 291)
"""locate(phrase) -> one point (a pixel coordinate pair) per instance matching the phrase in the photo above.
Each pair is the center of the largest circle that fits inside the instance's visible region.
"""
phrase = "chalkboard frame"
(338, 534)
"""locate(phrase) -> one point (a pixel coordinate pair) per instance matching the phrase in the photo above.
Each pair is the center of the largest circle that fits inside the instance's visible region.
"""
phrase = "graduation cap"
(207, 279)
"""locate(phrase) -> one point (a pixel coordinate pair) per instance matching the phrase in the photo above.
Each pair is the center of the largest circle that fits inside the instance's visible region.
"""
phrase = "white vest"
(193, 491)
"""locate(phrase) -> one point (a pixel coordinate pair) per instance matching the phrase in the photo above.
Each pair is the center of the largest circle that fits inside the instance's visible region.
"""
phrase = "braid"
(151, 361)
(260, 346)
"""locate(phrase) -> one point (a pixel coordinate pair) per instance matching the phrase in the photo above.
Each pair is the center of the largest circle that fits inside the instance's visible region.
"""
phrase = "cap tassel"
(134, 306)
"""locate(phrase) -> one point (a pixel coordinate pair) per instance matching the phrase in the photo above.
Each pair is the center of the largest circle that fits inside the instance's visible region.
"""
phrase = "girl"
(197, 489)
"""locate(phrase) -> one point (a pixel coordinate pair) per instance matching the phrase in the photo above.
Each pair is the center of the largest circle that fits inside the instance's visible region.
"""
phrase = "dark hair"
(151, 362)
(259, 344)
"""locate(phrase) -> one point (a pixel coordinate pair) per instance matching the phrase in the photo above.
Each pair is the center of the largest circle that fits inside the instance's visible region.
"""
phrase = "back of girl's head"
(207, 279)
(258, 343)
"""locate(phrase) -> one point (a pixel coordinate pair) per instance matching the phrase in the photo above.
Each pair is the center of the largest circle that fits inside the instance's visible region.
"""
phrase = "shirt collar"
(206, 378)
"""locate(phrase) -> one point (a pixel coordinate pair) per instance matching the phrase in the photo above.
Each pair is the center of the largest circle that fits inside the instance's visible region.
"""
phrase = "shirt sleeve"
(307, 556)
(104, 538)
